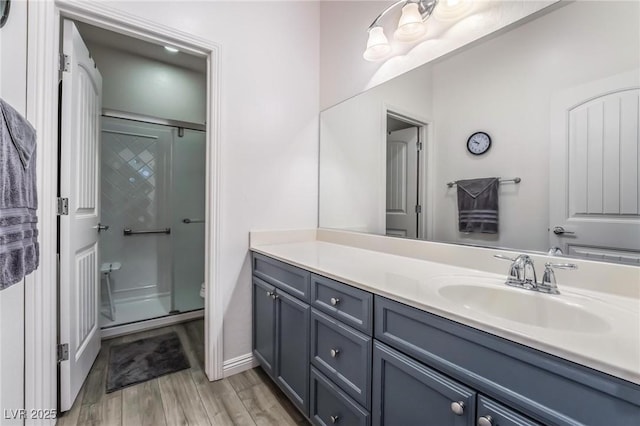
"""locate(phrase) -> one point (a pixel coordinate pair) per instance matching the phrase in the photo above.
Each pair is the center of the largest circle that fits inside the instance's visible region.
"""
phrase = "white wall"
(269, 126)
(343, 37)
(145, 86)
(573, 45)
(13, 89)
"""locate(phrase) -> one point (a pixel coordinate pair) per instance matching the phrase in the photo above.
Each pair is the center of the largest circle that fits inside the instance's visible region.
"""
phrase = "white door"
(595, 176)
(79, 182)
(402, 183)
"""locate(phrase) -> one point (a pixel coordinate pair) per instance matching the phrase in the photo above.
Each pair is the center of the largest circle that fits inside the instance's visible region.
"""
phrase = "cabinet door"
(264, 324)
(407, 393)
(292, 349)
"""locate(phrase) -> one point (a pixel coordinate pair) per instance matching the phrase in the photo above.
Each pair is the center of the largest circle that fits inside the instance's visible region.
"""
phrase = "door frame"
(425, 165)
(42, 98)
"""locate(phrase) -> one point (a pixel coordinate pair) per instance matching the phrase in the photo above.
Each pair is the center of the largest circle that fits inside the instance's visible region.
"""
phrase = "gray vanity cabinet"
(281, 326)
(347, 357)
(407, 393)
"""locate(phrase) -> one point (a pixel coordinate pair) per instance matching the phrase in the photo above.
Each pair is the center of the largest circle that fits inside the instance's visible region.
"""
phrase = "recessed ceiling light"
(171, 49)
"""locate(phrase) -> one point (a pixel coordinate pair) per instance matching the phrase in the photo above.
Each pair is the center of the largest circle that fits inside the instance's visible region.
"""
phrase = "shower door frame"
(42, 98)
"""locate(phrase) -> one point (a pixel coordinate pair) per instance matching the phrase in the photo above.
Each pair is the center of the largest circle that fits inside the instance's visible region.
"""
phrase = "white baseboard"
(238, 364)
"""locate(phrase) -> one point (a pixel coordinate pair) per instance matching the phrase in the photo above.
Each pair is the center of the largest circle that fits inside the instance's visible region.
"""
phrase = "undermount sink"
(526, 307)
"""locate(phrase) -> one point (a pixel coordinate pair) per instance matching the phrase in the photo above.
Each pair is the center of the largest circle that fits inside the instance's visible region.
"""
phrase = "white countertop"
(614, 349)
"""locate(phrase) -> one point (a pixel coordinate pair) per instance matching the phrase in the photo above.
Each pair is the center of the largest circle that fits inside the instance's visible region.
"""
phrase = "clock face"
(479, 143)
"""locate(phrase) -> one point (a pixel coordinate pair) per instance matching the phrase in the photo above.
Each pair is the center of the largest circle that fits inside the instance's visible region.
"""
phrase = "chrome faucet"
(522, 274)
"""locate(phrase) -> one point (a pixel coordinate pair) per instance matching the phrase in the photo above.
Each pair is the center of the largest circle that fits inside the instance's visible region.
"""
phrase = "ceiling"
(98, 36)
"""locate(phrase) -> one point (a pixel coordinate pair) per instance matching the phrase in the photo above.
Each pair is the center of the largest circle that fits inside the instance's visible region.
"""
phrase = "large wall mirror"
(559, 97)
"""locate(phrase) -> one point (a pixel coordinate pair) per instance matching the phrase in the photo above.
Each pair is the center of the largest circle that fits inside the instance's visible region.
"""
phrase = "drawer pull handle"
(457, 407)
(334, 301)
(485, 421)
(334, 419)
(334, 353)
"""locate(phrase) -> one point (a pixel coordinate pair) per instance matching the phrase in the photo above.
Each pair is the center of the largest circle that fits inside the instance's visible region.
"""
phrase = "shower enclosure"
(153, 202)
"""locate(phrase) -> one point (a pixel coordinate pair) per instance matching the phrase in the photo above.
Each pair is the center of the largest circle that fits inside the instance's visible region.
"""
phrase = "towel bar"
(129, 231)
(514, 180)
(187, 220)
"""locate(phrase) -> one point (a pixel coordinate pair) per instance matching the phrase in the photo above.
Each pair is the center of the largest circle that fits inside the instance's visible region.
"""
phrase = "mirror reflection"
(528, 140)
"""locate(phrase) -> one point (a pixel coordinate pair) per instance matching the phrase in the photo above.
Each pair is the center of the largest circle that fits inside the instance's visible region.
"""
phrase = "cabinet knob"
(270, 294)
(274, 296)
(485, 421)
(334, 301)
(334, 419)
(334, 352)
(457, 407)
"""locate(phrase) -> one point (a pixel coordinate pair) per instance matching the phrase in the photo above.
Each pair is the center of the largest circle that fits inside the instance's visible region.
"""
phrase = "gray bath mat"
(145, 359)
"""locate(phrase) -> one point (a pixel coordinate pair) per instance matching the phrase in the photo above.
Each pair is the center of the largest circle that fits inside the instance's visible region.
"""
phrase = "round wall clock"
(4, 11)
(479, 143)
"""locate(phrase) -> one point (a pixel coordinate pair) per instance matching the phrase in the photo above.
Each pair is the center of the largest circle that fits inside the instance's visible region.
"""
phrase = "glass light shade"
(452, 10)
(377, 45)
(410, 25)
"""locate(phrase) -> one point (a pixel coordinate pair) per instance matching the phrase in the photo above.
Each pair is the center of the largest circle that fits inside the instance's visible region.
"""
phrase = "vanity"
(356, 336)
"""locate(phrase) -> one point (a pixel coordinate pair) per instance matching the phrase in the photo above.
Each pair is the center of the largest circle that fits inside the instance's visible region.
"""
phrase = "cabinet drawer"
(348, 304)
(343, 354)
(491, 413)
(331, 406)
(294, 281)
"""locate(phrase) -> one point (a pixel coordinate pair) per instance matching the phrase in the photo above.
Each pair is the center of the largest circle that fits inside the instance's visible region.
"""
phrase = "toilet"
(106, 269)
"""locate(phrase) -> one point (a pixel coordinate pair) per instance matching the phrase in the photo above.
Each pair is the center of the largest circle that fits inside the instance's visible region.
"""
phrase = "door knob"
(559, 230)
(457, 407)
(101, 227)
(485, 421)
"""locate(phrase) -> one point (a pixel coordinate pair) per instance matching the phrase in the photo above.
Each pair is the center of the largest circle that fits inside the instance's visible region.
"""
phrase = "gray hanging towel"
(19, 251)
(478, 205)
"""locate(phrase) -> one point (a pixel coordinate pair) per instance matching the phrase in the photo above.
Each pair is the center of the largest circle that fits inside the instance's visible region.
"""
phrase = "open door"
(79, 228)
(595, 170)
(403, 205)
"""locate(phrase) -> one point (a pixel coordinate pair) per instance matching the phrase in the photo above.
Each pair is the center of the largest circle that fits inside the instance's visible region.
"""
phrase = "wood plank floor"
(183, 398)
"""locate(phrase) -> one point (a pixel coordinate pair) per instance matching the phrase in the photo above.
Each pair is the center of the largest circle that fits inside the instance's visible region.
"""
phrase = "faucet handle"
(549, 283)
(515, 270)
(503, 257)
(549, 265)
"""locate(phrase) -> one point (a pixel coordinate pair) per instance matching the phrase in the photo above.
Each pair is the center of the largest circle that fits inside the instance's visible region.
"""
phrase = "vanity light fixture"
(411, 27)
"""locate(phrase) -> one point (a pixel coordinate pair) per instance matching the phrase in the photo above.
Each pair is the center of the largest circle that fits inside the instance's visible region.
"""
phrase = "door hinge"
(64, 63)
(63, 206)
(419, 146)
(63, 352)
(418, 208)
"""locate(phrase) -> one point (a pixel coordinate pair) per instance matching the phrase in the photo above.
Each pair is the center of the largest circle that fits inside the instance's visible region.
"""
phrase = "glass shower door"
(188, 192)
(135, 176)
